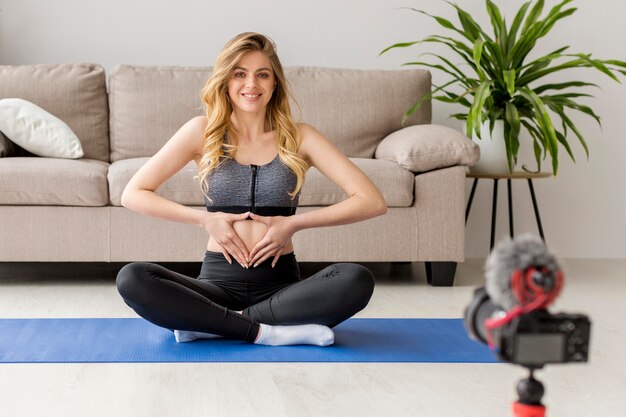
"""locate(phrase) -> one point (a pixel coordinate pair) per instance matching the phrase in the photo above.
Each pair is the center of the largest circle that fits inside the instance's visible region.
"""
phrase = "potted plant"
(500, 83)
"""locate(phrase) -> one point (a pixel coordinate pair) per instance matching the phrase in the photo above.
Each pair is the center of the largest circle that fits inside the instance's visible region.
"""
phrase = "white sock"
(188, 336)
(305, 334)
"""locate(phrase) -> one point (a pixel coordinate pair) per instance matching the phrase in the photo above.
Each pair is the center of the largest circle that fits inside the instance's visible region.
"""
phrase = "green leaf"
(460, 49)
(509, 79)
(448, 63)
(561, 138)
(439, 67)
(536, 30)
(551, 22)
(537, 151)
(574, 129)
(477, 52)
(564, 96)
(555, 11)
(615, 62)
(454, 98)
(508, 146)
(464, 52)
(443, 22)
(474, 118)
(542, 62)
(513, 119)
(533, 15)
(549, 57)
(527, 78)
(566, 102)
(398, 45)
(511, 134)
(560, 86)
(519, 17)
(597, 64)
(498, 65)
(545, 123)
(422, 100)
(496, 21)
(469, 24)
(538, 145)
(458, 116)
(526, 42)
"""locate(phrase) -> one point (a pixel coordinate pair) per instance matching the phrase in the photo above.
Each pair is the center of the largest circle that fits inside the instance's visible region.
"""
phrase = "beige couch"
(69, 210)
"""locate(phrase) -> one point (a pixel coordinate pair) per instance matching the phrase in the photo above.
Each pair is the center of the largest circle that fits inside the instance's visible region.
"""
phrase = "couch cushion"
(395, 183)
(52, 181)
(427, 147)
(356, 109)
(181, 187)
(75, 93)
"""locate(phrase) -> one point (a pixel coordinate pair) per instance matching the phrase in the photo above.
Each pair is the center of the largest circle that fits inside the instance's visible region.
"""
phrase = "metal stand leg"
(471, 198)
(532, 195)
(508, 186)
(493, 213)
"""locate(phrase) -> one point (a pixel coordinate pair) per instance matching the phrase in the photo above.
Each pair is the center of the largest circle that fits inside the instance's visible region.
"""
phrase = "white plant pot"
(492, 150)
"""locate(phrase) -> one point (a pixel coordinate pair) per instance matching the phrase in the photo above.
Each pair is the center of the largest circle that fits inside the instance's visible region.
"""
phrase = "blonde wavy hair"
(219, 108)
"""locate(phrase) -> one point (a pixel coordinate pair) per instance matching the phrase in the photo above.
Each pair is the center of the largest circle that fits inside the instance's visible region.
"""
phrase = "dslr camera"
(510, 313)
(533, 339)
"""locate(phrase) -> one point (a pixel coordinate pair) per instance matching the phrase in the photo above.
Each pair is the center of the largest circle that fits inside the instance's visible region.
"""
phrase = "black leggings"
(266, 295)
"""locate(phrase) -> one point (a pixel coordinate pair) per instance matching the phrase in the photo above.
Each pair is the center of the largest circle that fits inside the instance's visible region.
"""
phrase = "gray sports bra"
(260, 189)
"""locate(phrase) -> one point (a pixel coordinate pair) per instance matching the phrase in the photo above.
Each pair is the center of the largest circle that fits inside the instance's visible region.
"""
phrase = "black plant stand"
(508, 177)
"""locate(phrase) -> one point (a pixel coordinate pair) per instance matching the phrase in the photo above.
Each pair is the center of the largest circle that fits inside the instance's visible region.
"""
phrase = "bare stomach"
(250, 232)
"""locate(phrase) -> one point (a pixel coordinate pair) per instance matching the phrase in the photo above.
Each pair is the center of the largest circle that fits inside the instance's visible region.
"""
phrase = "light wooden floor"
(593, 287)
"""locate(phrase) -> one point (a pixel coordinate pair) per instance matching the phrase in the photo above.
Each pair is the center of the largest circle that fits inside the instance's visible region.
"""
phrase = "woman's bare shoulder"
(305, 130)
(195, 132)
(198, 123)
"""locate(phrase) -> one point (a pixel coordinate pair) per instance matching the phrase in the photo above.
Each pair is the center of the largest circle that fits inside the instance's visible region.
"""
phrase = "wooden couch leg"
(440, 274)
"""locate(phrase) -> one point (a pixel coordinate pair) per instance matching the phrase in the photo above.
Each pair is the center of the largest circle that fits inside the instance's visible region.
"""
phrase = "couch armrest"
(426, 147)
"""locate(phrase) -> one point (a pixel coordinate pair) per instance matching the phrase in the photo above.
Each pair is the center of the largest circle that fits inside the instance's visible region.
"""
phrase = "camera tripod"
(529, 392)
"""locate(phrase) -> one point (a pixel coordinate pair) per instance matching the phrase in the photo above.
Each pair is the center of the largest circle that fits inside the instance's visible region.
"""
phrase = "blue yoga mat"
(136, 340)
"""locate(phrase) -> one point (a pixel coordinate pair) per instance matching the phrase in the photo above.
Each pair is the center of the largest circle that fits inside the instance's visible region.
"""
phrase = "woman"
(252, 158)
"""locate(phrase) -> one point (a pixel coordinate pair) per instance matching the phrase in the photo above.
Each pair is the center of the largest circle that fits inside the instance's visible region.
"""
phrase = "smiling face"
(252, 83)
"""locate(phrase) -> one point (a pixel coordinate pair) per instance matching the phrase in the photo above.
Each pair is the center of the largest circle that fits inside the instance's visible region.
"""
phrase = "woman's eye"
(239, 74)
(264, 75)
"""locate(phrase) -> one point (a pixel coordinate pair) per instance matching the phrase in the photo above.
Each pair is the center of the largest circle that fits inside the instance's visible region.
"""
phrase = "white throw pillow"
(37, 131)
(422, 148)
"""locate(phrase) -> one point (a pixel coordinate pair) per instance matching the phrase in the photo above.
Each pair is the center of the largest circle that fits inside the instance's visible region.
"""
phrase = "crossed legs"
(178, 302)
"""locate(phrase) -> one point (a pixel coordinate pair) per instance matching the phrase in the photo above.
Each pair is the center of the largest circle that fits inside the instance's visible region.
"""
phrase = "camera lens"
(480, 309)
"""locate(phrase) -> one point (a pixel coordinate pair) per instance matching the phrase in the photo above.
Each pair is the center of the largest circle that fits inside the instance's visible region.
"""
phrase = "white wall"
(583, 209)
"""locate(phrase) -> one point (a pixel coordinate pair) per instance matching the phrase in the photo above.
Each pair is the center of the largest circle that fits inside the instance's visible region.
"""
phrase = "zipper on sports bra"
(252, 189)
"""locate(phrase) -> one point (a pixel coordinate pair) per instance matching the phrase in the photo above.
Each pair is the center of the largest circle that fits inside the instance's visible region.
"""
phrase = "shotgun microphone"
(521, 270)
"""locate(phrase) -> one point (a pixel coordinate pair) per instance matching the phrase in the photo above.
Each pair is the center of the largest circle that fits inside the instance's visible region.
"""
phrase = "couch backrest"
(354, 108)
(149, 104)
(75, 93)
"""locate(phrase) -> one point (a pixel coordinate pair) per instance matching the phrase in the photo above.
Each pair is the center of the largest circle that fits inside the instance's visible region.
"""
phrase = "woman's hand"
(279, 232)
(220, 227)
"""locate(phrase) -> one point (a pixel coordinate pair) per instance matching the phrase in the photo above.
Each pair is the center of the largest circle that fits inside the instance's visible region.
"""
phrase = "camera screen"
(539, 348)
